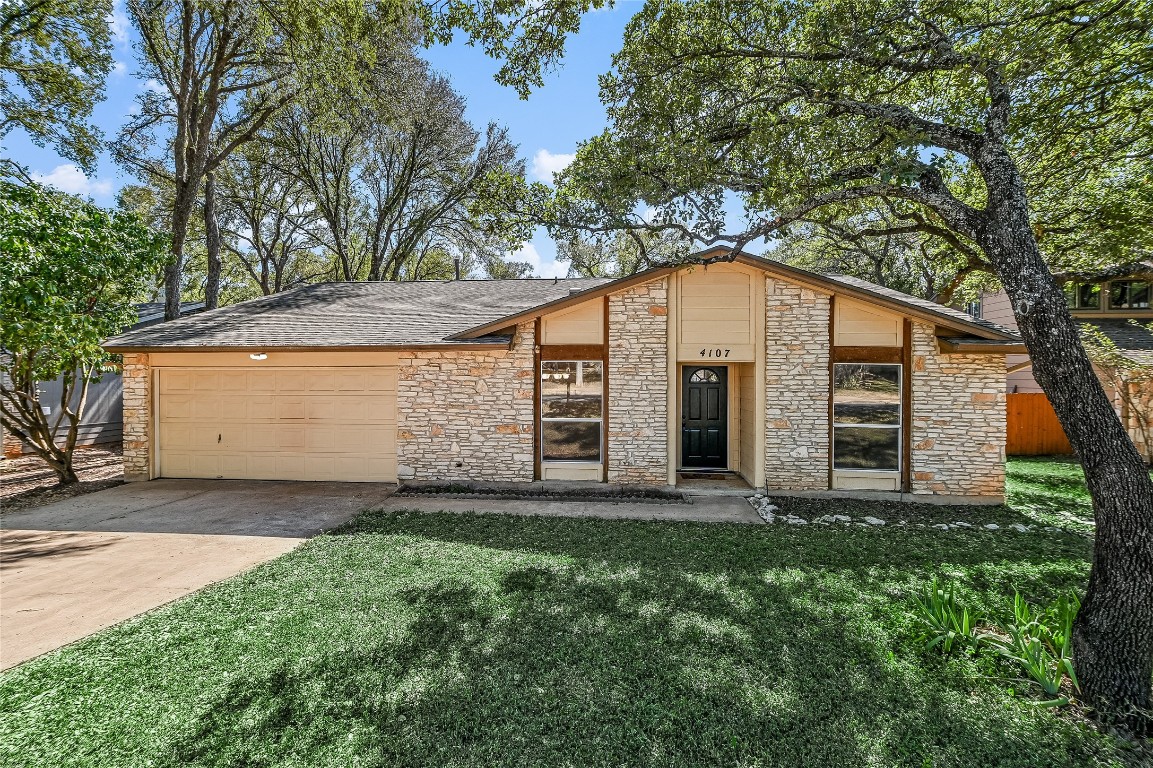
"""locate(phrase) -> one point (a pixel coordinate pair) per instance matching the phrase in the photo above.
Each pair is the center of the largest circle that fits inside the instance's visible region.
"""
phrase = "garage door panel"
(279, 424)
(290, 408)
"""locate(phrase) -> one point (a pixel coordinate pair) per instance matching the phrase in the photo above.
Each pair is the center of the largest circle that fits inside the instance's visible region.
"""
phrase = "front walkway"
(71, 568)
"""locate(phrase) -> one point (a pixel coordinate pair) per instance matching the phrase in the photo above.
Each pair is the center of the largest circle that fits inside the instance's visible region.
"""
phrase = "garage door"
(278, 424)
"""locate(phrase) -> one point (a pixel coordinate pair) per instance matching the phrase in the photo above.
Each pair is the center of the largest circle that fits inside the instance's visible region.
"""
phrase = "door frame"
(732, 416)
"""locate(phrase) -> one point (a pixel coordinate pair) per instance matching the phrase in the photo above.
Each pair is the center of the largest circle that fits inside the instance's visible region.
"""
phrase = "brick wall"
(958, 420)
(638, 384)
(137, 382)
(470, 408)
(796, 387)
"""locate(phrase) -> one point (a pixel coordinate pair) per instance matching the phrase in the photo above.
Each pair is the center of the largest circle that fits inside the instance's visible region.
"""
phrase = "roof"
(151, 312)
(953, 319)
(462, 313)
(353, 315)
(923, 304)
(1133, 340)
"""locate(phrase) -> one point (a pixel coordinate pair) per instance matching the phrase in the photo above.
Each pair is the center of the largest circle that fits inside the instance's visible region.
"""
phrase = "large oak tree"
(967, 111)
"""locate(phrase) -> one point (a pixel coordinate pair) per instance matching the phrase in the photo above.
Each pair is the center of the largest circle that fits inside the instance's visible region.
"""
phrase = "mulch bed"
(28, 482)
(633, 495)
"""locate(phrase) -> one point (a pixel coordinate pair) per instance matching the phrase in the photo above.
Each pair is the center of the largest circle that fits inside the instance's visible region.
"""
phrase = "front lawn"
(439, 639)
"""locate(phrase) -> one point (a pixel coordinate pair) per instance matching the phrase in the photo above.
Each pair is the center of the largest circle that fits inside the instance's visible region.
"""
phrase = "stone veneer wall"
(137, 383)
(638, 384)
(958, 420)
(796, 387)
(466, 415)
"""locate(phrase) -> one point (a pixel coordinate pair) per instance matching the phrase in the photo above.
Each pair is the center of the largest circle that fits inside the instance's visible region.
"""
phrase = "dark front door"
(704, 417)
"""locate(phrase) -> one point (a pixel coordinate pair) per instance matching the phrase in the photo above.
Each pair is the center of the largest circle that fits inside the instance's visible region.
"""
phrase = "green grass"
(439, 639)
(1051, 490)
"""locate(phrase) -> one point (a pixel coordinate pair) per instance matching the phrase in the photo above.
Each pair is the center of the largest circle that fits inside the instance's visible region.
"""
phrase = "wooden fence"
(1033, 429)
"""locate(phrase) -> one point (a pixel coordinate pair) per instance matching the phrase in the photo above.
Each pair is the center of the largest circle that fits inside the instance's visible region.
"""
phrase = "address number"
(717, 352)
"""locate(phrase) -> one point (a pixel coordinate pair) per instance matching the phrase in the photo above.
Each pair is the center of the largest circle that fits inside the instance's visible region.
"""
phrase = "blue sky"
(547, 126)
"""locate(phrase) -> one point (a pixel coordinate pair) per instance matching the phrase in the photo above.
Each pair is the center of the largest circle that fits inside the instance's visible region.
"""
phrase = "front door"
(704, 417)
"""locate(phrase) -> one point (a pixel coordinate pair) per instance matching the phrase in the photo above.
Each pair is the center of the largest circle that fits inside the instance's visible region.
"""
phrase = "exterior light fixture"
(259, 356)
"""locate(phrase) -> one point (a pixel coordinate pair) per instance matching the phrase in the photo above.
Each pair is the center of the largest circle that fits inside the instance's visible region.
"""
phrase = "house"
(103, 410)
(791, 380)
(1105, 304)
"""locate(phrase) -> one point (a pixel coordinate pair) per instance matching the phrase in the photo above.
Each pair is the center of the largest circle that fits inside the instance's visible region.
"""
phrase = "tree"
(1130, 377)
(223, 68)
(401, 174)
(70, 274)
(54, 58)
(965, 111)
(903, 250)
(622, 253)
(268, 223)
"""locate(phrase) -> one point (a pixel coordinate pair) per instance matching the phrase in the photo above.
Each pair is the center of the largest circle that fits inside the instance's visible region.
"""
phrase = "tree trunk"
(182, 206)
(212, 242)
(1113, 634)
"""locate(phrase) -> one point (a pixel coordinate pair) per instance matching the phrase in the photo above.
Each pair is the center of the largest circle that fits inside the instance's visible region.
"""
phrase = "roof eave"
(502, 343)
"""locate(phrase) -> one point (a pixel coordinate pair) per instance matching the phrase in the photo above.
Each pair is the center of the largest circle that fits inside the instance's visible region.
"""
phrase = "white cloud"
(540, 266)
(545, 164)
(119, 69)
(69, 178)
(154, 85)
(118, 24)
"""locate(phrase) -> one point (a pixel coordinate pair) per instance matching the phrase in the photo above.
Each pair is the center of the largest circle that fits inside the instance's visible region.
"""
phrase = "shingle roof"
(1134, 340)
(923, 304)
(354, 315)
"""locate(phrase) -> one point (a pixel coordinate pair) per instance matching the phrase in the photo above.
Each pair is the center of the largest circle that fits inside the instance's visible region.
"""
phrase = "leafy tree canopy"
(70, 275)
(54, 58)
(803, 106)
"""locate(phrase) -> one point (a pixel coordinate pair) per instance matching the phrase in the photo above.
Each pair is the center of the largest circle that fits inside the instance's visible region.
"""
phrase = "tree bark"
(212, 242)
(1113, 633)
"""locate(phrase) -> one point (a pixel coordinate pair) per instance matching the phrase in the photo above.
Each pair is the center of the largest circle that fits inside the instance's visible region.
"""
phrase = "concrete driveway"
(71, 568)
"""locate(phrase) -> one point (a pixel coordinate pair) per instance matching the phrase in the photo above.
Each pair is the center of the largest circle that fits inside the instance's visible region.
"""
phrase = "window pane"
(570, 390)
(864, 448)
(866, 394)
(1089, 296)
(1129, 294)
(571, 440)
(1071, 294)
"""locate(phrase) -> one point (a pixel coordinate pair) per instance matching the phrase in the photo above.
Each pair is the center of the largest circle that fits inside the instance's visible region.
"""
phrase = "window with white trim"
(571, 410)
(867, 416)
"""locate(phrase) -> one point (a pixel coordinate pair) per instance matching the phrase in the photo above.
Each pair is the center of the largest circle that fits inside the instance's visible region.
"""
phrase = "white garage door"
(278, 423)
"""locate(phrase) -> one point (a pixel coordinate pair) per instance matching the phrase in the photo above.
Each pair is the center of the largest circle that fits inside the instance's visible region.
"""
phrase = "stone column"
(137, 381)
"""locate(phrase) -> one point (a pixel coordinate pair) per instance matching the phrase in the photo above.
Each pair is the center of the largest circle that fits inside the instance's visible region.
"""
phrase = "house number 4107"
(714, 352)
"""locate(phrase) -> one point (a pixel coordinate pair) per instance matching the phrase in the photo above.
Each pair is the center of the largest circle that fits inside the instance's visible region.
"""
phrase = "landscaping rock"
(874, 521)
(992, 527)
(942, 526)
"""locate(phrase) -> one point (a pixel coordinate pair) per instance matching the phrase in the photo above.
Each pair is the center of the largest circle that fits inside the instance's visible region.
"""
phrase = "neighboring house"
(102, 422)
(792, 380)
(1107, 303)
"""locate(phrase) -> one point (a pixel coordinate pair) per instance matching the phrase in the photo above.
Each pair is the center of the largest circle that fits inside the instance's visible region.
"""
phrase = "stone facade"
(796, 387)
(958, 420)
(137, 382)
(467, 415)
(638, 385)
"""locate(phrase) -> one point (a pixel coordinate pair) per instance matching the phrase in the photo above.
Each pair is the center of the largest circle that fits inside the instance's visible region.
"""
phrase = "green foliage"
(1036, 642)
(70, 274)
(1040, 641)
(480, 640)
(945, 624)
(54, 58)
(835, 108)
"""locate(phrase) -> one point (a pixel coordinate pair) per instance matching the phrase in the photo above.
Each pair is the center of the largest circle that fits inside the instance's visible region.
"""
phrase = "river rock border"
(771, 514)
